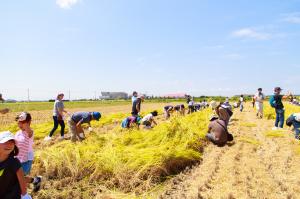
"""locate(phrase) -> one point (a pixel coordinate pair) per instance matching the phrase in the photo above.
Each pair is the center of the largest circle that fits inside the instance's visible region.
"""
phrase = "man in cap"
(79, 118)
(276, 103)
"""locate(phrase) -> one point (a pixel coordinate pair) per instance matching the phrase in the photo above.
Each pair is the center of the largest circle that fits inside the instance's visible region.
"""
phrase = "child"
(167, 111)
(13, 183)
(79, 118)
(149, 119)
(130, 122)
(24, 142)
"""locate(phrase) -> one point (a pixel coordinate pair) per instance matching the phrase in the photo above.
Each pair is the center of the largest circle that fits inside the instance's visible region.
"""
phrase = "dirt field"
(260, 164)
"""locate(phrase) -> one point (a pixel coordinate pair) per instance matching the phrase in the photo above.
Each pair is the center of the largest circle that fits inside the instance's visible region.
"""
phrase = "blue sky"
(201, 47)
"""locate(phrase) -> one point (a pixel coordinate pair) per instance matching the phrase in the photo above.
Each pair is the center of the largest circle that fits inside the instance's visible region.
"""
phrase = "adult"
(242, 99)
(79, 118)
(167, 111)
(259, 98)
(276, 103)
(294, 120)
(217, 132)
(1, 98)
(180, 109)
(191, 106)
(224, 111)
(58, 117)
(134, 96)
(136, 105)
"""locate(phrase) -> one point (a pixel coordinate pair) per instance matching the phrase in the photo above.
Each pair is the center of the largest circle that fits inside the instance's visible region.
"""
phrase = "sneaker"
(48, 138)
(274, 128)
(61, 138)
(37, 180)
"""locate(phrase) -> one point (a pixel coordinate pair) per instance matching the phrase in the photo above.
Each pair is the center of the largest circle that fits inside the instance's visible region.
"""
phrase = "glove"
(26, 196)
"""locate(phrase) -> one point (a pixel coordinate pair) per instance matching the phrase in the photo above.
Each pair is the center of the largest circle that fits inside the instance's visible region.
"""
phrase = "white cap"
(6, 136)
(22, 117)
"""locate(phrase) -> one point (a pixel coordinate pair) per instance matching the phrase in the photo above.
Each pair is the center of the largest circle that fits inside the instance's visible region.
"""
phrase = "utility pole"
(28, 95)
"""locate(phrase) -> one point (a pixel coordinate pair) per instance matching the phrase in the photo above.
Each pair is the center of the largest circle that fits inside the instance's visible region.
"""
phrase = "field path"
(256, 165)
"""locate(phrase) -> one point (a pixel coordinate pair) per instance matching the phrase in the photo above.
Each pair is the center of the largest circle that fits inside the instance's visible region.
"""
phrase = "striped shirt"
(24, 143)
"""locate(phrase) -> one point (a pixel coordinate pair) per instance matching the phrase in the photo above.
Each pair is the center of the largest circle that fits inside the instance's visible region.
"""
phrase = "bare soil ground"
(256, 165)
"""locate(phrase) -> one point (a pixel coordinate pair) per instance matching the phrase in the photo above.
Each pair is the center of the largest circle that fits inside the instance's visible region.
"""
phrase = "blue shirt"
(83, 117)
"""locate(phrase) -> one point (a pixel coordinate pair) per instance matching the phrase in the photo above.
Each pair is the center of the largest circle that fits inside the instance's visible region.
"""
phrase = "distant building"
(175, 95)
(114, 95)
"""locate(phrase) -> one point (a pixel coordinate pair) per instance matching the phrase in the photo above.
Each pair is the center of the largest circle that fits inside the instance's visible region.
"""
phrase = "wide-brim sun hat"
(213, 104)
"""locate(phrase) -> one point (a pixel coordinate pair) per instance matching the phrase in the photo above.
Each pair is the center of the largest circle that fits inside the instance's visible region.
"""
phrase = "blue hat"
(96, 115)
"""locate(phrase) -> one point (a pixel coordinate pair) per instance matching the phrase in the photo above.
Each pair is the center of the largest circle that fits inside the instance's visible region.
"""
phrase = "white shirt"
(259, 97)
(147, 117)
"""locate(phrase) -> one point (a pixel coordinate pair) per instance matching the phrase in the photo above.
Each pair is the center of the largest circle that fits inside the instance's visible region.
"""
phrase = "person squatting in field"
(149, 119)
(58, 117)
(24, 141)
(276, 103)
(294, 120)
(131, 121)
(79, 118)
(259, 98)
(12, 180)
(136, 106)
(180, 109)
(217, 131)
(168, 110)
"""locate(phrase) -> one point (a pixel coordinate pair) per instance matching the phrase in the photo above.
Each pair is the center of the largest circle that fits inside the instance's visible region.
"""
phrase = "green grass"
(125, 160)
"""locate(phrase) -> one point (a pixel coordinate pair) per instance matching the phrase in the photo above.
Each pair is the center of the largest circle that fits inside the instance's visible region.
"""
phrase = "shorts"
(26, 166)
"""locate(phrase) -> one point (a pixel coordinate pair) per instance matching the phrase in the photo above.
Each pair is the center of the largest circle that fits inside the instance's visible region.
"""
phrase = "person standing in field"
(136, 105)
(259, 98)
(1, 98)
(253, 101)
(12, 180)
(276, 103)
(24, 142)
(191, 106)
(242, 103)
(79, 118)
(58, 117)
(134, 96)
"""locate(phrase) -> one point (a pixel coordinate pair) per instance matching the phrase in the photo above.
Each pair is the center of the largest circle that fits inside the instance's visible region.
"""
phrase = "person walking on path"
(136, 106)
(79, 118)
(259, 98)
(242, 103)
(58, 117)
(276, 103)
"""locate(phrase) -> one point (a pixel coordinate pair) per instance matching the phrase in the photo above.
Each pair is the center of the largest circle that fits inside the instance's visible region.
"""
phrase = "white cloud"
(251, 33)
(66, 4)
(292, 17)
(233, 56)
